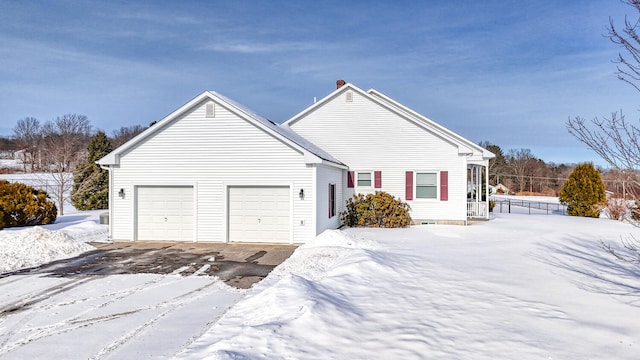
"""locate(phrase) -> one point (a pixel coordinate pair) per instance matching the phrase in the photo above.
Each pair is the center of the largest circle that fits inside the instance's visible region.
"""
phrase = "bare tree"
(614, 139)
(124, 134)
(27, 134)
(521, 162)
(64, 143)
(628, 68)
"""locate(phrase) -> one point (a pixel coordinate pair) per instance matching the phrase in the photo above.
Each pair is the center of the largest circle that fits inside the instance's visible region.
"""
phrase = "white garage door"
(259, 214)
(165, 213)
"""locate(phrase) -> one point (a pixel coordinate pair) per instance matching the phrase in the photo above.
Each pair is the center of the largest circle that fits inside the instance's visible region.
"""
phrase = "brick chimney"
(339, 84)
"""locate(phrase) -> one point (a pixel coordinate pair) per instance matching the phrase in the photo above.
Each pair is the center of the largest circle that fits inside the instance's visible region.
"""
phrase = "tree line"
(62, 147)
(58, 144)
(59, 147)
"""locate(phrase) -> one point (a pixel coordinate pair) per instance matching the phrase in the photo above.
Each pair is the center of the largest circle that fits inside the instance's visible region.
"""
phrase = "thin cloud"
(259, 47)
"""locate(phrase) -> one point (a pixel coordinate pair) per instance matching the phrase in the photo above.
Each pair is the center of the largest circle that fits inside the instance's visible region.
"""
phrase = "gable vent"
(210, 110)
(349, 96)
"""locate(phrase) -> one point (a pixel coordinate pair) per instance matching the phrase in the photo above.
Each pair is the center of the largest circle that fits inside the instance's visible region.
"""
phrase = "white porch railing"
(476, 209)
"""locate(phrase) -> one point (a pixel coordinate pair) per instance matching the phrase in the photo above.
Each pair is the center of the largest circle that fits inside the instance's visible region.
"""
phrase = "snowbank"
(35, 246)
(67, 237)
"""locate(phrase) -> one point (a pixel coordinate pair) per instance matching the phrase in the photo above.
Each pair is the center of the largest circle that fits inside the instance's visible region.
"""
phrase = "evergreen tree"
(497, 165)
(90, 182)
(583, 192)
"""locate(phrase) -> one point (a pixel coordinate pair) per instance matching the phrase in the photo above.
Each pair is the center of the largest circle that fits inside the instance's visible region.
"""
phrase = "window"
(364, 179)
(332, 200)
(426, 186)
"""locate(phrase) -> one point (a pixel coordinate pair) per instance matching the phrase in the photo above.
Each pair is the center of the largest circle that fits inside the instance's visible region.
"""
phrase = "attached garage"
(215, 171)
(259, 214)
(164, 213)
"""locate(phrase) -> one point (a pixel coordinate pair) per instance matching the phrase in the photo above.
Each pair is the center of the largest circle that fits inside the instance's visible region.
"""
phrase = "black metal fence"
(503, 205)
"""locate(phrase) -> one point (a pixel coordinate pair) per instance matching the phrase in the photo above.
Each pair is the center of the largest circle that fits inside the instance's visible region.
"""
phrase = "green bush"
(22, 205)
(376, 210)
(584, 192)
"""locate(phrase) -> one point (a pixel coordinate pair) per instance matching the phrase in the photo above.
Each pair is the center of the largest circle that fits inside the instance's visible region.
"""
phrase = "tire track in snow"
(173, 305)
(77, 321)
(41, 295)
(63, 325)
(16, 307)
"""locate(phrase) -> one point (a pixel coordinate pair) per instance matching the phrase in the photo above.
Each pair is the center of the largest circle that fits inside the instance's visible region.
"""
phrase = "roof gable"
(323, 101)
(312, 153)
(431, 124)
(464, 146)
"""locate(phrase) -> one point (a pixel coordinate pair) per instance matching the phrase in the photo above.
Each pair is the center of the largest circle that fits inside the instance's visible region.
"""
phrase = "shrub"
(22, 205)
(583, 192)
(635, 211)
(376, 210)
(617, 208)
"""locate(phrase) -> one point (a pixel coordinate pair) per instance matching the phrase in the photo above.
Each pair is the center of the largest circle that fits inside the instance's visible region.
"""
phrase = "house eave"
(313, 159)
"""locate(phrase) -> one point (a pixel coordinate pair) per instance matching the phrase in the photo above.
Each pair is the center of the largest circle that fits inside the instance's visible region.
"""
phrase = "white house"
(392, 148)
(214, 170)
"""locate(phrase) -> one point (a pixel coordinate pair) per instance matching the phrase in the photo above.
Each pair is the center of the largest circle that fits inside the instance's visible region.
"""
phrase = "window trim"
(436, 185)
(357, 180)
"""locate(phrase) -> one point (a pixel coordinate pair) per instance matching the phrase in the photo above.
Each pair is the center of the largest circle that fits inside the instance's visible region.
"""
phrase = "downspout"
(108, 168)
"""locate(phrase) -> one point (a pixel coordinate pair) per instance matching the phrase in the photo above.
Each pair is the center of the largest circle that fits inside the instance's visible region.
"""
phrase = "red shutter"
(444, 185)
(350, 175)
(409, 185)
(377, 176)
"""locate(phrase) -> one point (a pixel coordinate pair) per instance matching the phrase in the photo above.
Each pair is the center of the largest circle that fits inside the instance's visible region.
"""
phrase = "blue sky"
(508, 72)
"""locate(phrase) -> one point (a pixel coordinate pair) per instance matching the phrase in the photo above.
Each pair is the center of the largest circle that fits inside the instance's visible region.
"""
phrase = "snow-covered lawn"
(516, 287)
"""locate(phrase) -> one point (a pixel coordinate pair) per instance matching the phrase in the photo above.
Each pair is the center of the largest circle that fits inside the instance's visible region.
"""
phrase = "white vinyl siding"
(212, 153)
(426, 185)
(326, 175)
(392, 144)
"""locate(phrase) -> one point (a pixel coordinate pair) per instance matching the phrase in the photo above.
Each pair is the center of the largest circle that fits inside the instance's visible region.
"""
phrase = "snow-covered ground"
(9, 164)
(516, 287)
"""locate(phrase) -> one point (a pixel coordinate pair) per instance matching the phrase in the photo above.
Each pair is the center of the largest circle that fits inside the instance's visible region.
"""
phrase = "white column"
(478, 184)
(486, 180)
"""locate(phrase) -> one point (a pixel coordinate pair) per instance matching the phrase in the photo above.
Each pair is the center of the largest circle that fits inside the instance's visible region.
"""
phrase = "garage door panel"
(259, 214)
(165, 213)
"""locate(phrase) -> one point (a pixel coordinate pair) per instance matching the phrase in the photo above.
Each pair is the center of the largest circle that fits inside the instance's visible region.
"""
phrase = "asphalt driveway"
(239, 265)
